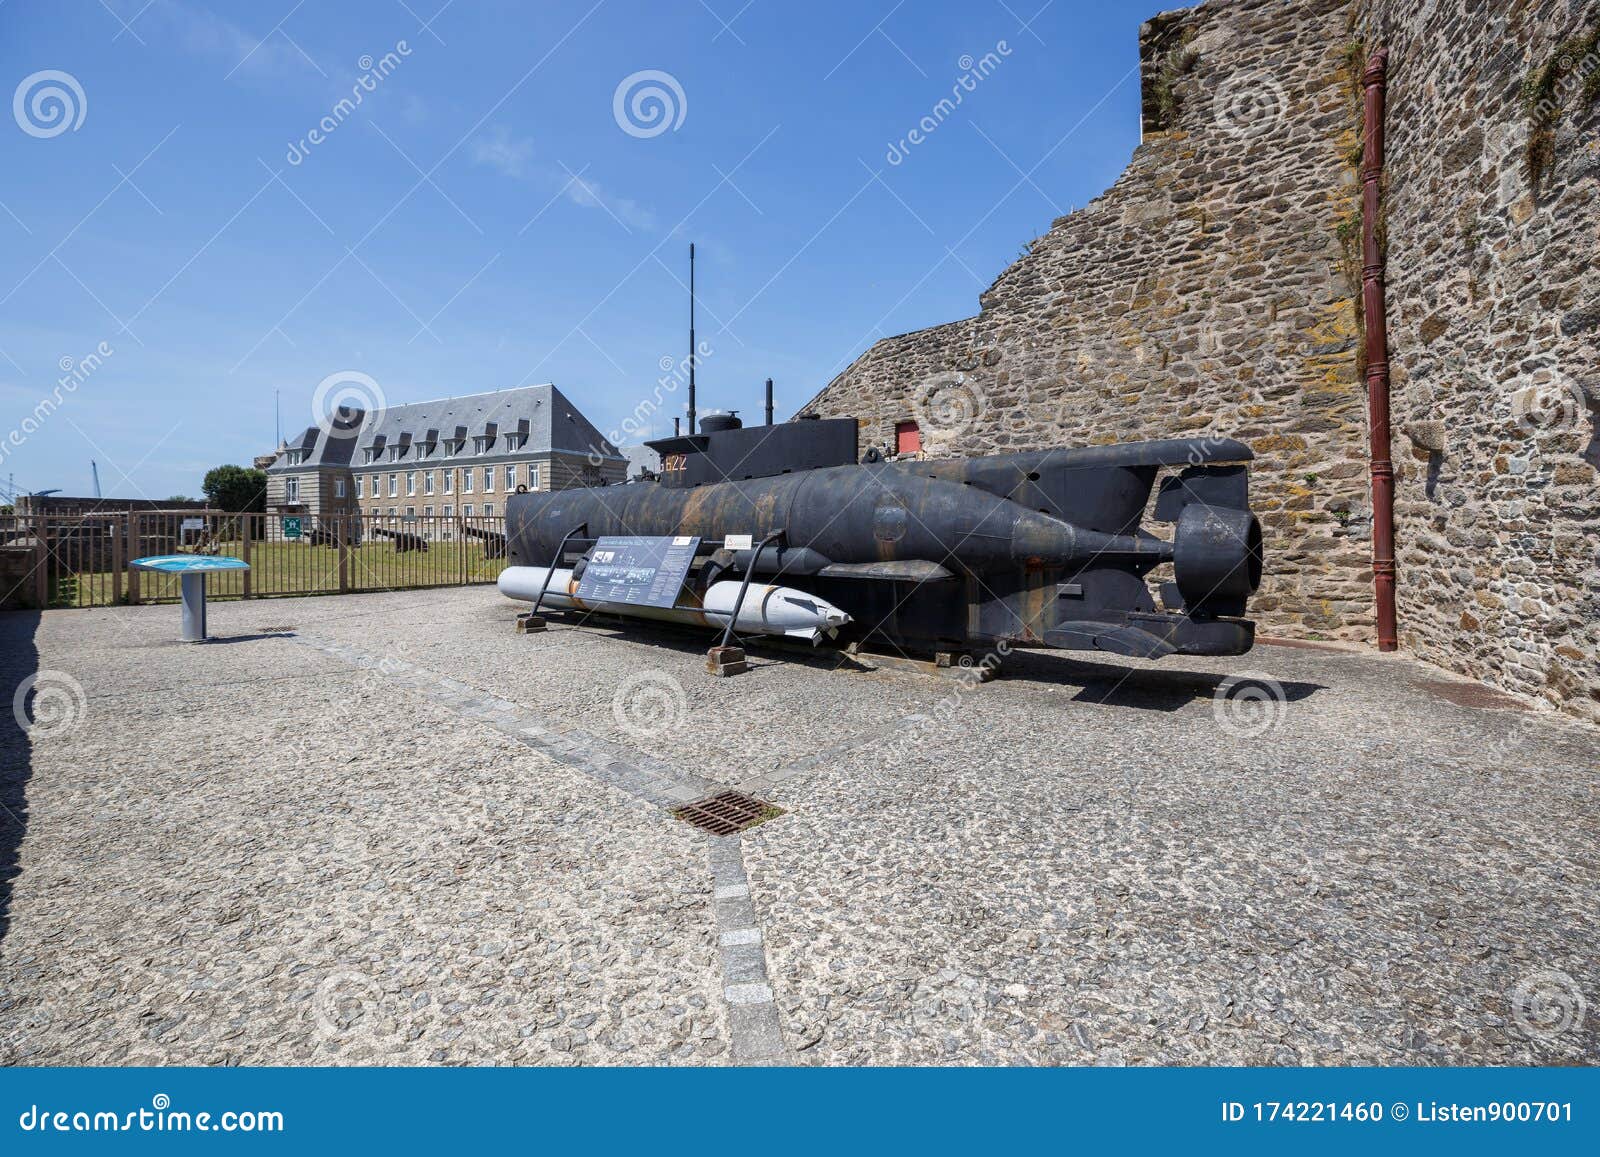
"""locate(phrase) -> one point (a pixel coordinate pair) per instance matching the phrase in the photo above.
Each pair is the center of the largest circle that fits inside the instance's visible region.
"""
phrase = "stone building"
(446, 458)
(1215, 289)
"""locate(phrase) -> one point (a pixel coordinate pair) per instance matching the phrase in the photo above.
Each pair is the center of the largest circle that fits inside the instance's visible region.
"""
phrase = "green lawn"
(292, 568)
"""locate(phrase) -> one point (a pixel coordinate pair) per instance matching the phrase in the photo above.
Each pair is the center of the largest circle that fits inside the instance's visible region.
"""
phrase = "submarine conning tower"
(726, 450)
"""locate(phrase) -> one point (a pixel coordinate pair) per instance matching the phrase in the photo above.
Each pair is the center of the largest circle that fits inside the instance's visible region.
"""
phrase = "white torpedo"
(767, 609)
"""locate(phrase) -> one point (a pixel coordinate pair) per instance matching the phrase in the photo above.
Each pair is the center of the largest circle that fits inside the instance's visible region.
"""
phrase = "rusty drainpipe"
(1374, 82)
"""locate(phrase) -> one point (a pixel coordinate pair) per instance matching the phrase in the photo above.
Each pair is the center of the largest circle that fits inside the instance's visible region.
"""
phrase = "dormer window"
(294, 457)
(483, 443)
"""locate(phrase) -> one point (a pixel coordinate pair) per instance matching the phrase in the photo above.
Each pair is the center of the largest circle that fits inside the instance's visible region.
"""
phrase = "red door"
(907, 438)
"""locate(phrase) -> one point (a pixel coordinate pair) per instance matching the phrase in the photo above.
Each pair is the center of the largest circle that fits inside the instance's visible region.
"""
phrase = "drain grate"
(727, 812)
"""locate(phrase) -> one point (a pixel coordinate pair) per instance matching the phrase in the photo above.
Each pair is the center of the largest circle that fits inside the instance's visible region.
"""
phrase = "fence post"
(118, 530)
(344, 553)
(41, 576)
(135, 543)
(461, 551)
(247, 530)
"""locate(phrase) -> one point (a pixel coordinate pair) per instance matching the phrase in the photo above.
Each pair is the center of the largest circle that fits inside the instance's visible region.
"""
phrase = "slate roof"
(548, 418)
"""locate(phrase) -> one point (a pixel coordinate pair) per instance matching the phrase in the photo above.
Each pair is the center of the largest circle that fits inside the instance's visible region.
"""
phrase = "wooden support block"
(530, 624)
(726, 661)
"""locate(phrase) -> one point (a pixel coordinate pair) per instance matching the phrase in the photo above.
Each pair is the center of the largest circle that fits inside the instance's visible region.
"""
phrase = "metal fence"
(83, 561)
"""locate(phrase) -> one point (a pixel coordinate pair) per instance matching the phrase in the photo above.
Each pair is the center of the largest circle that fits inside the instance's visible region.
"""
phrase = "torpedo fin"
(913, 570)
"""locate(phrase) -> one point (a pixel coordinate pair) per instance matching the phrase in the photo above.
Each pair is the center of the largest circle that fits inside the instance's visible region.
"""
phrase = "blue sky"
(483, 218)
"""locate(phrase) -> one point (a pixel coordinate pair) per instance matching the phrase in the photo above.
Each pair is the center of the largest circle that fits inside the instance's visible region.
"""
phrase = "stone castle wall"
(1214, 289)
(1494, 314)
(1209, 291)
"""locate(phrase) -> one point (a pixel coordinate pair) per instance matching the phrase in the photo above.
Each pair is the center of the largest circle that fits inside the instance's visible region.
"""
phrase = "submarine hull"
(1046, 548)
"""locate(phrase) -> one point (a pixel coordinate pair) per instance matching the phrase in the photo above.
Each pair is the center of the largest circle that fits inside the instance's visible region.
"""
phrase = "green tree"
(236, 489)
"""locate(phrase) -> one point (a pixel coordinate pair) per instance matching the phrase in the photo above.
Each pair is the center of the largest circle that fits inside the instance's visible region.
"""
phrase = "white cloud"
(207, 34)
(499, 151)
(514, 157)
(587, 192)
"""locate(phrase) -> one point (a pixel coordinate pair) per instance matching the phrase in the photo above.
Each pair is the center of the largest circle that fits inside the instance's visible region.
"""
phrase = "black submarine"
(1044, 548)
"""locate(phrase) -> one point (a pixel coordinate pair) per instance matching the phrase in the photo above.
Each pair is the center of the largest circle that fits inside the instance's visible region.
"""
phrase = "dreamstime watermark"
(342, 398)
(973, 73)
(1553, 404)
(1547, 1003)
(920, 729)
(373, 73)
(949, 407)
(1571, 76)
(395, 661)
(650, 704)
(1250, 704)
(74, 372)
(641, 419)
(349, 1007)
(648, 103)
(160, 1117)
(1248, 104)
(49, 103)
(49, 705)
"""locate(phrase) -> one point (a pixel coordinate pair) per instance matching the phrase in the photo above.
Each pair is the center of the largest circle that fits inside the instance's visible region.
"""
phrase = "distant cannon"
(323, 536)
(403, 540)
(494, 543)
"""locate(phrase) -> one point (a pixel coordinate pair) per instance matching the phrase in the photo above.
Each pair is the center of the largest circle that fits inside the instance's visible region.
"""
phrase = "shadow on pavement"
(19, 659)
(1147, 688)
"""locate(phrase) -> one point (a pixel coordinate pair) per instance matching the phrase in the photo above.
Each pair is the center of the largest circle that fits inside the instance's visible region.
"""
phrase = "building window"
(411, 512)
(466, 511)
(291, 490)
(361, 490)
(466, 481)
(411, 482)
(907, 438)
(482, 445)
(377, 488)
(394, 486)
(511, 479)
(488, 508)
(427, 481)
(391, 514)
(449, 511)
(427, 512)
(449, 481)
(488, 479)
(533, 477)
(338, 487)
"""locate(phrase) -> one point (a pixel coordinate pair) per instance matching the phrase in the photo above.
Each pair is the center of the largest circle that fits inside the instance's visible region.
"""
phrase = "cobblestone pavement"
(386, 828)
